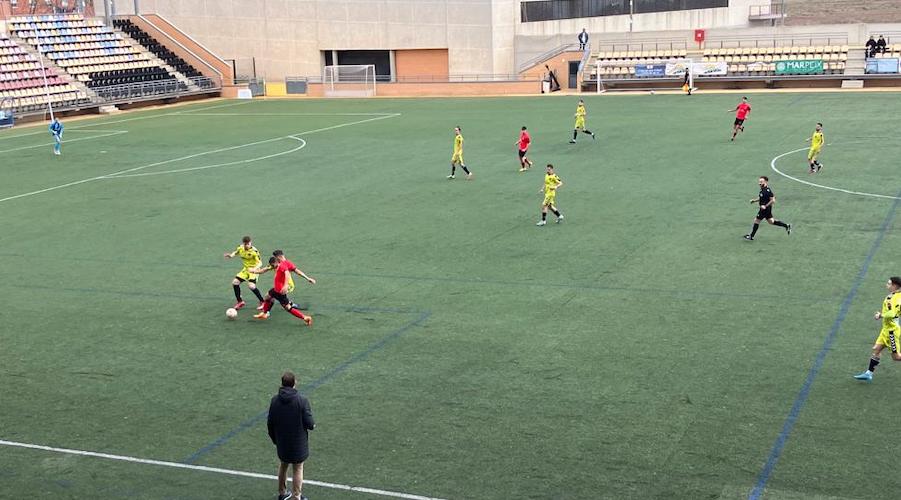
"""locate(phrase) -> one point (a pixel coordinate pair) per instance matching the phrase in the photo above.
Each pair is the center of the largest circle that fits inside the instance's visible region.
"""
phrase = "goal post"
(349, 80)
(662, 74)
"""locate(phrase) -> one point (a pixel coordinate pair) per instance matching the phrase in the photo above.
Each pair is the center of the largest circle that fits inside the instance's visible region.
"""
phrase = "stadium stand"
(761, 61)
(156, 48)
(89, 51)
(22, 80)
(742, 61)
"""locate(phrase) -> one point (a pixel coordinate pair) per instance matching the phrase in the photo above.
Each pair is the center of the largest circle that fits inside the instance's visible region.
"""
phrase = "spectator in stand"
(583, 39)
(880, 45)
(871, 47)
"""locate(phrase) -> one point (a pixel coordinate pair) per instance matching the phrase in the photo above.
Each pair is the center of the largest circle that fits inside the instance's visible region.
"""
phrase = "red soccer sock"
(267, 305)
(297, 313)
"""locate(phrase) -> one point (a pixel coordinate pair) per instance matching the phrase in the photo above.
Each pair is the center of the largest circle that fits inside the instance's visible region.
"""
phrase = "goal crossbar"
(349, 80)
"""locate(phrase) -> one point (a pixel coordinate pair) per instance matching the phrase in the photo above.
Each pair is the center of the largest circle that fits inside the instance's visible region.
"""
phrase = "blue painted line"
(310, 387)
(804, 393)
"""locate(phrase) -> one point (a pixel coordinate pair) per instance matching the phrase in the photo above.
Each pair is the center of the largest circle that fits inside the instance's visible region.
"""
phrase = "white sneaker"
(450, 176)
(541, 223)
(56, 152)
(559, 218)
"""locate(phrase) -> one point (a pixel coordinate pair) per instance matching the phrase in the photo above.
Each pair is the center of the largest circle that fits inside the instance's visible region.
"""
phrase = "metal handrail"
(547, 55)
(156, 89)
(773, 9)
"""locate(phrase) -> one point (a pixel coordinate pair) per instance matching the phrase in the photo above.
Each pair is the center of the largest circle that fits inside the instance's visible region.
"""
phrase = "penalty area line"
(216, 470)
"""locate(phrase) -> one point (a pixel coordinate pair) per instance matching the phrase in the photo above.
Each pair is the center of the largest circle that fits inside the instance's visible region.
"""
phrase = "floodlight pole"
(37, 34)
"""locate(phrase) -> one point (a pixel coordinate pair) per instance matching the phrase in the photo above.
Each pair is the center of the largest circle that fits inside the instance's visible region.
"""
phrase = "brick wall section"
(424, 63)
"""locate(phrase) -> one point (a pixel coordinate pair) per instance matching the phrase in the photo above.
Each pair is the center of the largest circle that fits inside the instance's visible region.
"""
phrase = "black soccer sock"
(237, 292)
(874, 361)
(453, 168)
(587, 132)
(465, 169)
(754, 229)
(256, 291)
(556, 212)
(575, 133)
(543, 215)
(779, 223)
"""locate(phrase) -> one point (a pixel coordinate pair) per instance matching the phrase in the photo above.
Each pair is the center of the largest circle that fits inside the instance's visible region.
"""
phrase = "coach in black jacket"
(290, 417)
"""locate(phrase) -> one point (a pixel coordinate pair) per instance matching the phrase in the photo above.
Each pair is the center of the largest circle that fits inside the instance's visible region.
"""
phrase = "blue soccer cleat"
(867, 375)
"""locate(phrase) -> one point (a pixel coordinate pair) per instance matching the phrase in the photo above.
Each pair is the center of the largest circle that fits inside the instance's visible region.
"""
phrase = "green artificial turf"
(640, 349)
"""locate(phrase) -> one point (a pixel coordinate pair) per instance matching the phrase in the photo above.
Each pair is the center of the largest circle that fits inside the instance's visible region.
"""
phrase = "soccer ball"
(231, 313)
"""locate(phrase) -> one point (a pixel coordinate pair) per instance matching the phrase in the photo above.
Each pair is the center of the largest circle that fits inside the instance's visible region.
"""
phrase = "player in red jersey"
(741, 112)
(524, 141)
(279, 290)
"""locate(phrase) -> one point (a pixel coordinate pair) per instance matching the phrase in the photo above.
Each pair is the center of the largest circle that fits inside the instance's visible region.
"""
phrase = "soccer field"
(640, 349)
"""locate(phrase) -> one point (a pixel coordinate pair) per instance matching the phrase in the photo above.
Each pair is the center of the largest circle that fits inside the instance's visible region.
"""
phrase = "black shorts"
(739, 121)
(280, 297)
(765, 214)
(522, 153)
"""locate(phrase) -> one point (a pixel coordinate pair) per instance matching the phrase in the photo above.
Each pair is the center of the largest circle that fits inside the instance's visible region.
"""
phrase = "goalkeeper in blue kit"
(56, 130)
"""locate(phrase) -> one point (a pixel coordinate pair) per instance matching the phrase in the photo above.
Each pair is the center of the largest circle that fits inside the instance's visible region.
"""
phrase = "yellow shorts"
(890, 338)
(246, 275)
(550, 198)
(457, 158)
(812, 154)
(580, 123)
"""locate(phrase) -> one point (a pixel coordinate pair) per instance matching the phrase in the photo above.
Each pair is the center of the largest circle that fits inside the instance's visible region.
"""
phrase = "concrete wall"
(286, 36)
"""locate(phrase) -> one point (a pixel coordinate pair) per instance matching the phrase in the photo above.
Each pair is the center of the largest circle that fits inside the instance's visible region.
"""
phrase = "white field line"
(303, 143)
(288, 114)
(156, 164)
(173, 113)
(91, 137)
(47, 132)
(217, 470)
(847, 191)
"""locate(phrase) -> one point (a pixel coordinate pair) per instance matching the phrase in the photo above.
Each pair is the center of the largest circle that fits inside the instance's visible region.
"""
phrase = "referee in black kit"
(765, 199)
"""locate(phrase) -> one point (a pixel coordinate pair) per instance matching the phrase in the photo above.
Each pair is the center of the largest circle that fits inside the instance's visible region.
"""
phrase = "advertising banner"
(801, 67)
(698, 69)
(650, 70)
(882, 65)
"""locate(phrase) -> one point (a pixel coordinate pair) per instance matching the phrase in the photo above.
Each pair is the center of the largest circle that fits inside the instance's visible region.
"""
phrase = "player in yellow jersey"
(457, 158)
(250, 258)
(552, 183)
(580, 122)
(890, 334)
(816, 145)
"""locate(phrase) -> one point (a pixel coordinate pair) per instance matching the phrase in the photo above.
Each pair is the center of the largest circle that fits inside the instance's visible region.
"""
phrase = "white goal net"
(349, 80)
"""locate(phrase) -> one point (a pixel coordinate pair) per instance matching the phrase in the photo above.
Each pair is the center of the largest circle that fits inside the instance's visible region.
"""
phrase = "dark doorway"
(573, 74)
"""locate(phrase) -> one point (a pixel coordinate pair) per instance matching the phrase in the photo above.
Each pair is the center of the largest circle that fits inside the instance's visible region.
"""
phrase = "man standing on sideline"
(290, 419)
(880, 44)
(583, 39)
